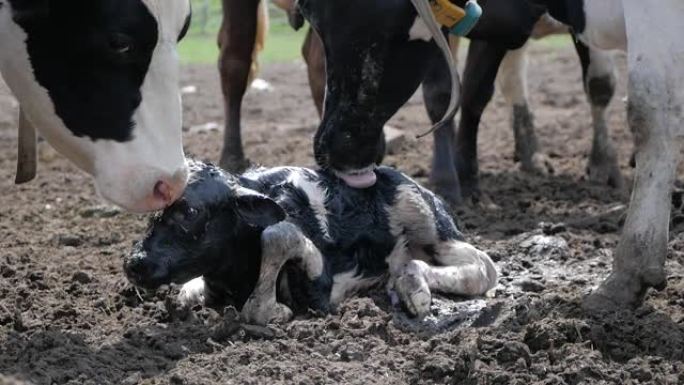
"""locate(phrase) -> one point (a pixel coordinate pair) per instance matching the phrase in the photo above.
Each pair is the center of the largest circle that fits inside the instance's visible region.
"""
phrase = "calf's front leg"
(280, 243)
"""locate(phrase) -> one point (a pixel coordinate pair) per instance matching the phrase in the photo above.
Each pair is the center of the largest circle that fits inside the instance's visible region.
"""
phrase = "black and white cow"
(599, 79)
(98, 79)
(282, 239)
(375, 58)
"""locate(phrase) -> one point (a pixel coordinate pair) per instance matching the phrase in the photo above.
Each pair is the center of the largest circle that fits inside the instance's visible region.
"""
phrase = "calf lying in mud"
(274, 241)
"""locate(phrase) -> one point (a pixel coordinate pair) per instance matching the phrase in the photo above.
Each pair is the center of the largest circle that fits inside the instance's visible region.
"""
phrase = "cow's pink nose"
(167, 191)
(162, 192)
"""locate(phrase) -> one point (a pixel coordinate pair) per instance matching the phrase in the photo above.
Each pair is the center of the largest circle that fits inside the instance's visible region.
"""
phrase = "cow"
(240, 38)
(381, 41)
(277, 240)
(599, 78)
(99, 81)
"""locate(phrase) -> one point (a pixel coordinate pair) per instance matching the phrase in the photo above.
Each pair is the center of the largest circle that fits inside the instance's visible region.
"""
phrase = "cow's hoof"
(617, 292)
(537, 164)
(192, 293)
(450, 195)
(448, 189)
(604, 169)
(415, 294)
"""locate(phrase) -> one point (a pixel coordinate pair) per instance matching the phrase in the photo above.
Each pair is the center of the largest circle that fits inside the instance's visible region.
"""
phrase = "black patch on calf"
(92, 57)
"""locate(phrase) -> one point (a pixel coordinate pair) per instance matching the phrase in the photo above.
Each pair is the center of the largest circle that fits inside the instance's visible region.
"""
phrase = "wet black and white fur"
(278, 240)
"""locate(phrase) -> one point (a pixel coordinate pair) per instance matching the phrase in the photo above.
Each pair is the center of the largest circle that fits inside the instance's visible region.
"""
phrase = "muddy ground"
(68, 315)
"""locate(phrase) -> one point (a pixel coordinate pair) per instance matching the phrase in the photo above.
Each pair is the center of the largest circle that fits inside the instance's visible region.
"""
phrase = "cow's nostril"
(163, 192)
(167, 190)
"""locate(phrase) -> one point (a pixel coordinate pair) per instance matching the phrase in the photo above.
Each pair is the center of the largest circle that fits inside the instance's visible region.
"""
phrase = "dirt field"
(68, 315)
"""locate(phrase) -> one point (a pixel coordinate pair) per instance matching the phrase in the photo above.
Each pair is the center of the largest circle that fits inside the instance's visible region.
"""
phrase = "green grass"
(555, 41)
(283, 43)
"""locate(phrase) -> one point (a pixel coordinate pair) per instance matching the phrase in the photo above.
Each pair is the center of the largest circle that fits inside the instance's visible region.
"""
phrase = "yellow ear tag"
(446, 13)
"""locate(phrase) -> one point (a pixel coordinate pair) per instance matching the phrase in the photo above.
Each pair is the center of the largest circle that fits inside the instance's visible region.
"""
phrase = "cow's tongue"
(358, 180)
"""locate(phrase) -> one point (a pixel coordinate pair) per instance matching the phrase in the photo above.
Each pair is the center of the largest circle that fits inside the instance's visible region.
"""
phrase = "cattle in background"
(241, 37)
(307, 236)
(598, 73)
(99, 81)
(375, 41)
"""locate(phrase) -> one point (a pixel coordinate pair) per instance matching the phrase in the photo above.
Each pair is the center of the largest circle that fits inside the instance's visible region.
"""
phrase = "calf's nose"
(136, 269)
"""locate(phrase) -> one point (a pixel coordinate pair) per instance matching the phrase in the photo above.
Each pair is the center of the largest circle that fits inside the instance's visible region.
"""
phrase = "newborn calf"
(276, 240)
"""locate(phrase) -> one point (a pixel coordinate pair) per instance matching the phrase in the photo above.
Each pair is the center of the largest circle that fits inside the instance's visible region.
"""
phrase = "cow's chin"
(360, 179)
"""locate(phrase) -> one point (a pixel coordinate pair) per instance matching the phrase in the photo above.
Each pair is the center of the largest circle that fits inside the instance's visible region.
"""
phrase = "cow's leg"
(598, 74)
(462, 270)
(512, 81)
(656, 117)
(437, 92)
(314, 56)
(236, 43)
(280, 243)
(480, 72)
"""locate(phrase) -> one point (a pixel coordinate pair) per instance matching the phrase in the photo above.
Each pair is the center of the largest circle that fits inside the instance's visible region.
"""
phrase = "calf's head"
(215, 226)
(99, 80)
(377, 53)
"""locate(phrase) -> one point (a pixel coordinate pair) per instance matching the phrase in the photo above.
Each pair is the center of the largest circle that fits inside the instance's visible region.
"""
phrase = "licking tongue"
(358, 180)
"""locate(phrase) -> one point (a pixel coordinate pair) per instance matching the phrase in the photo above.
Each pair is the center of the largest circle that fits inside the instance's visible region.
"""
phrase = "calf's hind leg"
(280, 243)
(462, 269)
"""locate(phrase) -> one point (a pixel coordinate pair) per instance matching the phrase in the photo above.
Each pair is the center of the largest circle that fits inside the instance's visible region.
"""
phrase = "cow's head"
(376, 57)
(99, 80)
(212, 228)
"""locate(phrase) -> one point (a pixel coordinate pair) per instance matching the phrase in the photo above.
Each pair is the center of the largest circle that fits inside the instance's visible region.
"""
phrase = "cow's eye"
(120, 44)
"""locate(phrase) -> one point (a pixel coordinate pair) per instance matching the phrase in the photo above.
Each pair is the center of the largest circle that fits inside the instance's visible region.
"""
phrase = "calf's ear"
(259, 210)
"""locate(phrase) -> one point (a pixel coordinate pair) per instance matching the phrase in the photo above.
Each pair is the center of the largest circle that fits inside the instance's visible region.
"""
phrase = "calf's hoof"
(275, 313)
(414, 294)
(192, 293)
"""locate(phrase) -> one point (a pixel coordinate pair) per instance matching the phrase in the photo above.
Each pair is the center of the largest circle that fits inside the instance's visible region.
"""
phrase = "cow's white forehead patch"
(419, 31)
(170, 16)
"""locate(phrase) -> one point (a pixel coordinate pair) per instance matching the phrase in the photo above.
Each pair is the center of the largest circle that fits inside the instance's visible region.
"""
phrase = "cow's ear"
(259, 210)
